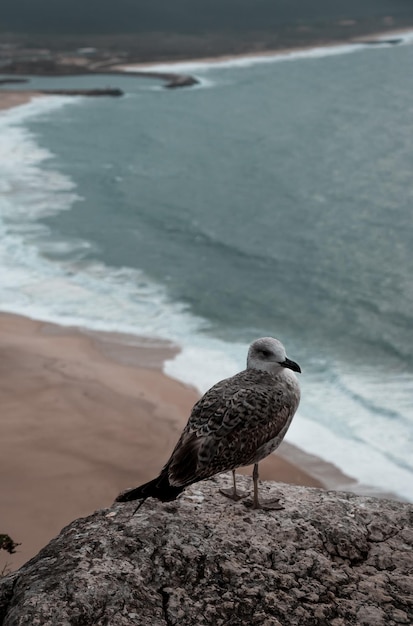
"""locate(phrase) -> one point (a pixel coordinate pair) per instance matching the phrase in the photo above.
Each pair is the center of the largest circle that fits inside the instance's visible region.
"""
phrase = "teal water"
(273, 199)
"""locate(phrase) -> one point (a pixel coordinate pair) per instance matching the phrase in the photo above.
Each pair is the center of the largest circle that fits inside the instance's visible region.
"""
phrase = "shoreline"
(177, 80)
(377, 37)
(11, 99)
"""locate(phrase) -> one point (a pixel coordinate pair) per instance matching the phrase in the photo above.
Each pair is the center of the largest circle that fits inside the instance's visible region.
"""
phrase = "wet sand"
(9, 99)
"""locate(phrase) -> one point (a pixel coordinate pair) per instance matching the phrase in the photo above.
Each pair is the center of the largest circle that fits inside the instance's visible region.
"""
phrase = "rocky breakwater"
(108, 91)
(172, 81)
(327, 558)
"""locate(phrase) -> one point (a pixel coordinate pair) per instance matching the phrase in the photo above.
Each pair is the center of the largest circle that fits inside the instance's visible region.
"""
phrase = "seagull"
(238, 422)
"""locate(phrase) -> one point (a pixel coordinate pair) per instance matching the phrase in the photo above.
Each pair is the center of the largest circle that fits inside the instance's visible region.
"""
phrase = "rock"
(181, 80)
(328, 559)
(107, 91)
(6, 81)
(379, 42)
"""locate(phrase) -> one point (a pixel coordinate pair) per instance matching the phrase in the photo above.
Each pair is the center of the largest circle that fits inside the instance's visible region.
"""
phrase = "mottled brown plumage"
(238, 422)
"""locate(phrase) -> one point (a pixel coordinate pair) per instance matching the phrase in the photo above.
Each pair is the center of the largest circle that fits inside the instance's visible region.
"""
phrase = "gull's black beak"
(292, 365)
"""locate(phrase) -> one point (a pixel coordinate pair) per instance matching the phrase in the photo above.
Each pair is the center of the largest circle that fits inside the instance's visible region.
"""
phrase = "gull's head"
(268, 354)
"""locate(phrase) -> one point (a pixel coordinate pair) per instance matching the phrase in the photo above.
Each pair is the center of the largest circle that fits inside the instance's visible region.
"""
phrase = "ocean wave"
(36, 265)
(26, 186)
(354, 457)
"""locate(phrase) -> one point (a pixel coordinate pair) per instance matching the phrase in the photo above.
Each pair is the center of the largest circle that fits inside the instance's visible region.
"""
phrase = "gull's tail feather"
(157, 488)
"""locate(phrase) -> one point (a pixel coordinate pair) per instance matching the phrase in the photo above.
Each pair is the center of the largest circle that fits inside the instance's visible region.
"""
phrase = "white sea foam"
(354, 457)
(34, 108)
(360, 419)
(25, 186)
(204, 361)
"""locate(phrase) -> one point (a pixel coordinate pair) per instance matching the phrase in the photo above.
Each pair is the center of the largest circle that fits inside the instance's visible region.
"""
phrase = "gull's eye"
(266, 353)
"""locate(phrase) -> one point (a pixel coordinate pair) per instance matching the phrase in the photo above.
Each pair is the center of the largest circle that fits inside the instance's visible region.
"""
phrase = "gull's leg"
(255, 476)
(233, 493)
(266, 505)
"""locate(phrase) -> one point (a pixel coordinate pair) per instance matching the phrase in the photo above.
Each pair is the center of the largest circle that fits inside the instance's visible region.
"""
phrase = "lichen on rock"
(327, 558)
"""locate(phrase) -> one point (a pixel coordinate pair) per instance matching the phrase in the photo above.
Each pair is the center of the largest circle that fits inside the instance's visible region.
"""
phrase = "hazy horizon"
(138, 16)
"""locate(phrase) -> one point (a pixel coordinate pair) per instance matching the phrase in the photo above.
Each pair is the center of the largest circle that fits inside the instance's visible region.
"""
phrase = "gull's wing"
(230, 423)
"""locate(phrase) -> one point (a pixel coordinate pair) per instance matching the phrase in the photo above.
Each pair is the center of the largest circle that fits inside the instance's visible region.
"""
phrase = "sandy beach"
(85, 415)
(10, 98)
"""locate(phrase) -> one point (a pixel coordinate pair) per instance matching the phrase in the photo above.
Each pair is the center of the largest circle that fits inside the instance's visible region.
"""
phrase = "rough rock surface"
(328, 558)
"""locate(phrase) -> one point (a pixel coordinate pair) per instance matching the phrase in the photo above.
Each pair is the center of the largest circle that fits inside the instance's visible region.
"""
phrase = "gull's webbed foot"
(265, 505)
(233, 493)
(236, 496)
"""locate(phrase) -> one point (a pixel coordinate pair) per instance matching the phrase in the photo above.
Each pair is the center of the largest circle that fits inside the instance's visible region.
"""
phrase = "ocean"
(274, 198)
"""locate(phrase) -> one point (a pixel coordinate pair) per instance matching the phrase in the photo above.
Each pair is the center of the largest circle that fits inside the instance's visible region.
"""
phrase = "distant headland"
(35, 54)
